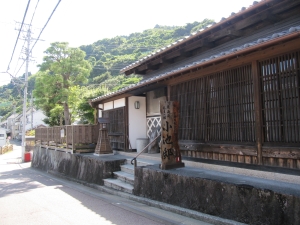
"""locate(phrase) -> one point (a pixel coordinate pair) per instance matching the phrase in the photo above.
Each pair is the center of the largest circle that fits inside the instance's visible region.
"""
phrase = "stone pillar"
(170, 152)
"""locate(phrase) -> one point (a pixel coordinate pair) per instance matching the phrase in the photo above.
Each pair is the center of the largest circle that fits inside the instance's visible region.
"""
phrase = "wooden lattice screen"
(117, 128)
(218, 107)
(280, 91)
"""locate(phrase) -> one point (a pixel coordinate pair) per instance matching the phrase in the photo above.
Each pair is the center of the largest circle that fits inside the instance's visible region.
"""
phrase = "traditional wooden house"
(237, 83)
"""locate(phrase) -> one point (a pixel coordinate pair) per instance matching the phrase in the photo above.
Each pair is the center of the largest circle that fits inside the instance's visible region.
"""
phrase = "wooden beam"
(235, 61)
(224, 33)
(172, 55)
(215, 148)
(284, 153)
(258, 111)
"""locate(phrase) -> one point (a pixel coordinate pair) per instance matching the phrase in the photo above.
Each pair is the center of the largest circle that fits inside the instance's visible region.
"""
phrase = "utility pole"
(27, 53)
(31, 106)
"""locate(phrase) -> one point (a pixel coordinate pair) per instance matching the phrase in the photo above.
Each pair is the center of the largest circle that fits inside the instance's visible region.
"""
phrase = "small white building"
(34, 118)
(2, 137)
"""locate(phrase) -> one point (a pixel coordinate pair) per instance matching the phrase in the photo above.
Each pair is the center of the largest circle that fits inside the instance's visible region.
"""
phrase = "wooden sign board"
(170, 153)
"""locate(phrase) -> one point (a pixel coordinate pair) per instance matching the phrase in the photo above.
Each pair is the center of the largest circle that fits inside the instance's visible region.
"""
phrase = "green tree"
(63, 67)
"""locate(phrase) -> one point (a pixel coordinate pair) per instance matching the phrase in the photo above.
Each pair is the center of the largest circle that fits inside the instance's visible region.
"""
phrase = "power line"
(25, 40)
(19, 34)
(45, 25)
(34, 12)
(40, 33)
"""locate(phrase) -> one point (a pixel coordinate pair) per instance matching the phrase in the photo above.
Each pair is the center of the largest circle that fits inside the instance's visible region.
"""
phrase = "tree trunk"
(66, 114)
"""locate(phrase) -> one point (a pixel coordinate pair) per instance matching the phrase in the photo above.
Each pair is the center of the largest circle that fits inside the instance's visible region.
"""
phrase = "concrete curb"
(171, 208)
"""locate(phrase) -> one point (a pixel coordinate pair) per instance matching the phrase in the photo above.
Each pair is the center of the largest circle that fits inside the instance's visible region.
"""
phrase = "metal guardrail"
(133, 161)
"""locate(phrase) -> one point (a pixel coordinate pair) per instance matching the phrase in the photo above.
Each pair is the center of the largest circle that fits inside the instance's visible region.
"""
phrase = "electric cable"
(45, 25)
(19, 34)
(15, 74)
(40, 33)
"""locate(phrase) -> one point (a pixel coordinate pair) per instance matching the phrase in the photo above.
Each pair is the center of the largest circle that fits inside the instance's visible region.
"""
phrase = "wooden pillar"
(170, 152)
(126, 125)
(258, 111)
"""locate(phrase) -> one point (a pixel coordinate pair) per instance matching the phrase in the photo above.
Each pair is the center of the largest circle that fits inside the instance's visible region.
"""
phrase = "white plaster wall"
(137, 120)
(38, 117)
(2, 137)
(119, 103)
(108, 105)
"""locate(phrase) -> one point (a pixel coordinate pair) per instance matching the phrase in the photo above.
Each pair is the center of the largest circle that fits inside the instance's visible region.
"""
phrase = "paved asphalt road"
(29, 196)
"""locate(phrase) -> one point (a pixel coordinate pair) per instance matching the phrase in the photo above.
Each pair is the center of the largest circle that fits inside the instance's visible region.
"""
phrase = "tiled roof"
(174, 44)
(234, 50)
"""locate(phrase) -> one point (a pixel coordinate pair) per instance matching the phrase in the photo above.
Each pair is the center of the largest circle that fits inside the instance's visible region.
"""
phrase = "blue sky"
(82, 22)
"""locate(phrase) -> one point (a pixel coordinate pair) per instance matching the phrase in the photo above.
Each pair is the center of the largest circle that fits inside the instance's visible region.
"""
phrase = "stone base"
(104, 154)
(234, 197)
(87, 168)
(173, 166)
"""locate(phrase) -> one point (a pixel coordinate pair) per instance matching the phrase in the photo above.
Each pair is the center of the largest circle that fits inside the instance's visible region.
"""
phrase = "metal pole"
(25, 95)
(31, 106)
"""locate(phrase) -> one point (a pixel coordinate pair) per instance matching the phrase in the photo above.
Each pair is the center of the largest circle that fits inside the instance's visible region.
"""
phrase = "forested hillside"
(107, 57)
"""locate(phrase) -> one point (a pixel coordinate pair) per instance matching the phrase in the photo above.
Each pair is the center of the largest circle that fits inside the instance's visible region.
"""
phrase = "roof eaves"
(237, 50)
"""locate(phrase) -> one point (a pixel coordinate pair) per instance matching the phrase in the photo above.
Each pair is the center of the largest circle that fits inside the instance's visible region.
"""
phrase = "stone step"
(127, 168)
(118, 185)
(143, 162)
(125, 177)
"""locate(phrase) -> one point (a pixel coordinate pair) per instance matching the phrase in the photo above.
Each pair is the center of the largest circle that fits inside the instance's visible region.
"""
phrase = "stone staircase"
(124, 180)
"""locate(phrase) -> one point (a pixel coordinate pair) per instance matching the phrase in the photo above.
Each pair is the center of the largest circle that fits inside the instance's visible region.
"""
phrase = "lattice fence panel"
(280, 79)
(117, 127)
(153, 125)
(218, 107)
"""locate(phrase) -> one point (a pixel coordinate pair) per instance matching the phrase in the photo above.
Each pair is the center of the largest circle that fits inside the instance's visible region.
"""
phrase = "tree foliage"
(62, 68)
(69, 77)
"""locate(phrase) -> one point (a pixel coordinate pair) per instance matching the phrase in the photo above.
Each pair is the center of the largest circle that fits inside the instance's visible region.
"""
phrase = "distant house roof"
(12, 116)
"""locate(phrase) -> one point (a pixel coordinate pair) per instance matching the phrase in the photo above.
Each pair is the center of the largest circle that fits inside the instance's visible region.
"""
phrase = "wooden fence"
(73, 138)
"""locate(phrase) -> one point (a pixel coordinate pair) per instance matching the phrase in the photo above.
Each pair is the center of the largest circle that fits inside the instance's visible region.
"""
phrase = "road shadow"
(25, 179)
(16, 142)
(104, 205)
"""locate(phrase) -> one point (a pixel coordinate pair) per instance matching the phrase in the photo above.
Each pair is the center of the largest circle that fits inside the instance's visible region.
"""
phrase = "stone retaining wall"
(6, 148)
(86, 168)
(235, 201)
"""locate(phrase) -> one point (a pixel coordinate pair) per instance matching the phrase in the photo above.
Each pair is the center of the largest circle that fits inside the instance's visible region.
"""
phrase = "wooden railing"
(79, 138)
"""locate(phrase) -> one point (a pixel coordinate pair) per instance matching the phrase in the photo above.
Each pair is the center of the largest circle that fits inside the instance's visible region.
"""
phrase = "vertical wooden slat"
(297, 100)
(73, 138)
(126, 125)
(258, 110)
(248, 159)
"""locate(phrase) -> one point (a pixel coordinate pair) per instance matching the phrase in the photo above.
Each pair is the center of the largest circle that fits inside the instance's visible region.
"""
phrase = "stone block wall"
(236, 201)
(90, 169)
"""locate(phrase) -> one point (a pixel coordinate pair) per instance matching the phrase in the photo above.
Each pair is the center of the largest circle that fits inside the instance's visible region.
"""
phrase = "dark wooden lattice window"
(218, 107)
(280, 80)
(231, 106)
(117, 128)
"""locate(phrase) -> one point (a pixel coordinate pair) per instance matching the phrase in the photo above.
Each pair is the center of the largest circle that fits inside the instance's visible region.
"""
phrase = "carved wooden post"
(170, 153)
